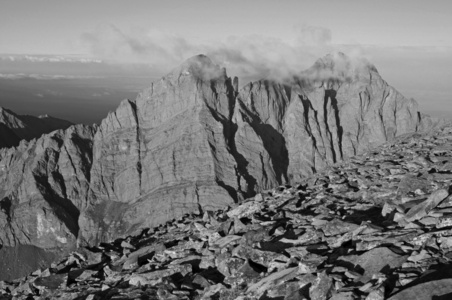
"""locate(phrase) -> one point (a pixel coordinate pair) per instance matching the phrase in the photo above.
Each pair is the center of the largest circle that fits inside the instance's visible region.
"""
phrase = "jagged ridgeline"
(14, 128)
(190, 142)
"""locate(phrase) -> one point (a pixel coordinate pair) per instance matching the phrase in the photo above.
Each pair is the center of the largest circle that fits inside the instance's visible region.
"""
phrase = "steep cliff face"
(44, 183)
(191, 142)
(334, 110)
(163, 155)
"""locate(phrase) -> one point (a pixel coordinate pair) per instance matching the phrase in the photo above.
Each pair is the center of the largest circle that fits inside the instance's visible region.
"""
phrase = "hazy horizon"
(78, 60)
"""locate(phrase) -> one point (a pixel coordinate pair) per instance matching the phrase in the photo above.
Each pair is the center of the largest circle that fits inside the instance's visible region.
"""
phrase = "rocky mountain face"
(375, 227)
(191, 142)
(14, 128)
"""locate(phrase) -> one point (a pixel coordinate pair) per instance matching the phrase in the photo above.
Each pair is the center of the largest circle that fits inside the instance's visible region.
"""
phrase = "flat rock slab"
(439, 290)
(53, 281)
(336, 227)
(378, 260)
(272, 280)
(409, 183)
(321, 288)
(422, 209)
(244, 210)
(224, 241)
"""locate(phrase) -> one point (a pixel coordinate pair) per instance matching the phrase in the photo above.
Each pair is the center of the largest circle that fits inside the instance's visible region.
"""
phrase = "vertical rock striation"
(163, 155)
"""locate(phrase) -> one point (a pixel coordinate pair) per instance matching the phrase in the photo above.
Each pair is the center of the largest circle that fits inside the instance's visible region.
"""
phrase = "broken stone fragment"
(139, 256)
(437, 289)
(343, 296)
(211, 291)
(422, 209)
(271, 281)
(201, 281)
(26, 288)
(153, 275)
(336, 227)
(259, 197)
(52, 282)
(227, 240)
(377, 294)
(410, 183)
(239, 227)
(254, 236)
(376, 260)
(208, 234)
(245, 275)
(138, 280)
(256, 255)
(291, 290)
(228, 265)
(322, 287)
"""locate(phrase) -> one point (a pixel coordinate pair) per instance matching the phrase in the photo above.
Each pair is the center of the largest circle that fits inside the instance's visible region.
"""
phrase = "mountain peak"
(201, 67)
(199, 60)
(9, 118)
(340, 59)
(7, 111)
(338, 65)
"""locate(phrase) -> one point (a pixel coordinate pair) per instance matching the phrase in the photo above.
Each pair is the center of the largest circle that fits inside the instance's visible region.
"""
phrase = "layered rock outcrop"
(189, 143)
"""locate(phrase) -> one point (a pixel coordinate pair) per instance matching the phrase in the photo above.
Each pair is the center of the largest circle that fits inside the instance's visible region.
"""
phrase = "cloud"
(253, 56)
(13, 76)
(100, 94)
(51, 59)
(53, 93)
(138, 46)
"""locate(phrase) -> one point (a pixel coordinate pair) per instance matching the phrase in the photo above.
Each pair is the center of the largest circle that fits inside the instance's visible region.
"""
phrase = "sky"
(410, 42)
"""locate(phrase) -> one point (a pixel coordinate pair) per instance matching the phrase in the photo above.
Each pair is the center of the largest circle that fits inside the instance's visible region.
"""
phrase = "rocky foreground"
(378, 226)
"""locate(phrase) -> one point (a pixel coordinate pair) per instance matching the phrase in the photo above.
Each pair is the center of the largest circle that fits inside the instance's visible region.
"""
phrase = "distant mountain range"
(14, 128)
(191, 142)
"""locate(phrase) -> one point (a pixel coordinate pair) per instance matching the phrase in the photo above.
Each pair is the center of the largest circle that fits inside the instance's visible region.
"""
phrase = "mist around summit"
(123, 61)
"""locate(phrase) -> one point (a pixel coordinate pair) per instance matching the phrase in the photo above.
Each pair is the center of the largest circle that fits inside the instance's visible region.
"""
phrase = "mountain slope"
(190, 143)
